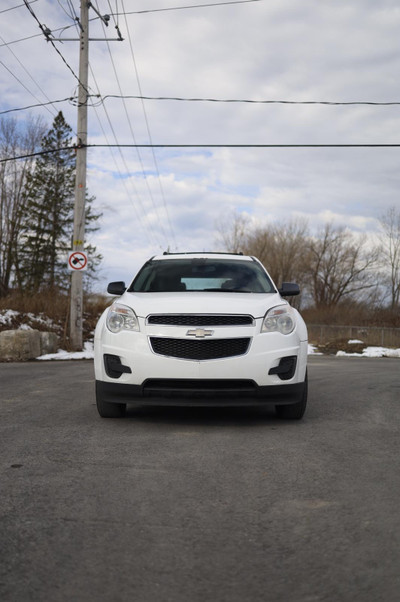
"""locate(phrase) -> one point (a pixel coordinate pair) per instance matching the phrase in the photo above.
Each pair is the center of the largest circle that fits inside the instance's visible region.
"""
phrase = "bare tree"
(282, 248)
(340, 266)
(13, 174)
(331, 267)
(389, 252)
(233, 230)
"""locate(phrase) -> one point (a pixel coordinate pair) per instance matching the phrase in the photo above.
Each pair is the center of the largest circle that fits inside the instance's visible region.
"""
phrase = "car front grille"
(200, 320)
(199, 350)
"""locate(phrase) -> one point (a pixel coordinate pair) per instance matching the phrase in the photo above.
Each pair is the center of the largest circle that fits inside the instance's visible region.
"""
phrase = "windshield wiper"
(226, 290)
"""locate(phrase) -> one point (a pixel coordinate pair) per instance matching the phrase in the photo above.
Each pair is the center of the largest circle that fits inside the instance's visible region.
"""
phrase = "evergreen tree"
(48, 215)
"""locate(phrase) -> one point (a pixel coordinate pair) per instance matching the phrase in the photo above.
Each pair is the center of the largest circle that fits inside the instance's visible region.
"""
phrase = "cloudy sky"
(272, 50)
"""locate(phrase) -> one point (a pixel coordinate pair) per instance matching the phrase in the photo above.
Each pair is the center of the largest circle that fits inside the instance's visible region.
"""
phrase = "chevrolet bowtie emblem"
(199, 333)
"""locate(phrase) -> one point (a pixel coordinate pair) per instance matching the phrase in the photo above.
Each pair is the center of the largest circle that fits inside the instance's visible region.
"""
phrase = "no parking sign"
(77, 261)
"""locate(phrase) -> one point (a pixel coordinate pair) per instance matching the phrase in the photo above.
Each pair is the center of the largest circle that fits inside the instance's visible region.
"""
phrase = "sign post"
(76, 314)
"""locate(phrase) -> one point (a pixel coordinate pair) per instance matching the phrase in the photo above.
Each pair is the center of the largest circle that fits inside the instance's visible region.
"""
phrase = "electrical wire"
(46, 152)
(48, 38)
(143, 225)
(158, 10)
(6, 10)
(122, 178)
(148, 129)
(32, 79)
(25, 88)
(37, 35)
(270, 102)
(65, 10)
(55, 150)
(40, 104)
(139, 203)
(73, 100)
(362, 145)
(146, 228)
(134, 139)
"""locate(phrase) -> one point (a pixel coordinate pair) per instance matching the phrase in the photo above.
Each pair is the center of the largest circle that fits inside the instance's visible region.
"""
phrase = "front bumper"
(200, 393)
(138, 375)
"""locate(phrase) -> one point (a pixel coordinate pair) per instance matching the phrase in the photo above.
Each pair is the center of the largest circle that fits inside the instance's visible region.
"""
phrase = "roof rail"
(203, 253)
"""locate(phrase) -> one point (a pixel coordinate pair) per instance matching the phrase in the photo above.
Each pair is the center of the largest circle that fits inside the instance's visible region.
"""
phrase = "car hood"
(254, 304)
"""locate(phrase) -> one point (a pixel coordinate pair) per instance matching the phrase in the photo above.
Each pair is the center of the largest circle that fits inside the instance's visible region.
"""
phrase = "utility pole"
(78, 239)
(76, 309)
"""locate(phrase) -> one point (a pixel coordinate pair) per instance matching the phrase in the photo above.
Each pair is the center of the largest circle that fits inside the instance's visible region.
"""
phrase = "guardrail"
(321, 334)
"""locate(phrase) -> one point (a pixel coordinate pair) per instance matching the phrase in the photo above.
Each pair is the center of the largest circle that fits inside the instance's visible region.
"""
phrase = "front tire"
(107, 409)
(294, 411)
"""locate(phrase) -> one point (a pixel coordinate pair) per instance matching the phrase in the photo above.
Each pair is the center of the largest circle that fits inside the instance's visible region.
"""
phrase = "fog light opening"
(114, 367)
(286, 367)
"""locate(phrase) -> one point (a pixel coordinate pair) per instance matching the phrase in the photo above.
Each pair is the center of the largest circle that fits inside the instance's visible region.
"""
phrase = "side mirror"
(116, 288)
(289, 289)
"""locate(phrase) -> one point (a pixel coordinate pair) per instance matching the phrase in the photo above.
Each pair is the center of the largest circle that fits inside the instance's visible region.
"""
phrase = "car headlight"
(120, 317)
(279, 319)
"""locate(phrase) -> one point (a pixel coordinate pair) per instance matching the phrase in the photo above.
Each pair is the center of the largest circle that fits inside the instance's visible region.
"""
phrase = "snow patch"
(7, 316)
(372, 352)
(313, 350)
(86, 354)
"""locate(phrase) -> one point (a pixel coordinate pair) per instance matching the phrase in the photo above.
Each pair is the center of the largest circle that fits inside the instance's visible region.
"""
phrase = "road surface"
(198, 505)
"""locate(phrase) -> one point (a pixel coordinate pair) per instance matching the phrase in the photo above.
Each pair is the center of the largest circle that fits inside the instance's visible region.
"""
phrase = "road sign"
(77, 261)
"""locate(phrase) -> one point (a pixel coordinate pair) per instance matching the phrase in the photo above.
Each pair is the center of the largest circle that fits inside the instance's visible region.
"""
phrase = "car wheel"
(295, 411)
(109, 410)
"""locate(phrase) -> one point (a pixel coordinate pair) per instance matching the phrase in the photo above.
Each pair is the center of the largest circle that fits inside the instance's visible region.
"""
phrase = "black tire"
(294, 411)
(109, 410)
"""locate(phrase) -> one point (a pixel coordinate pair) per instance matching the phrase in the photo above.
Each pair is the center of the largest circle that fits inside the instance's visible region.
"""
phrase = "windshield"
(202, 274)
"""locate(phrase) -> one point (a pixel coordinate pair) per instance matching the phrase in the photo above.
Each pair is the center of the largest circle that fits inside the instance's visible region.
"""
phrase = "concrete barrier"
(49, 342)
(23, 345)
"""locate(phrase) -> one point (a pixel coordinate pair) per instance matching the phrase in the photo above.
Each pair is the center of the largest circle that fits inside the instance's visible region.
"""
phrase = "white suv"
(198, 329)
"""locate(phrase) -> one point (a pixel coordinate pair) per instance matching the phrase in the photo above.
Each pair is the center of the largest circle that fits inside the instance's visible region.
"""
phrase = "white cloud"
(280, 50)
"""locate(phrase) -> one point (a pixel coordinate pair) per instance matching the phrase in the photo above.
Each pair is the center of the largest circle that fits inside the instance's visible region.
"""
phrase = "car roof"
(203, 255)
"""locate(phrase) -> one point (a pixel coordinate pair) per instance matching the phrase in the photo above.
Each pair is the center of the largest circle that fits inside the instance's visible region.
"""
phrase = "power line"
(121, 176)
(40, 104)
(37, 154)
(101, 98)
(271, 102)
(148, 128)
(25, 87)
(75, 147)
(37, 35)
(122, 179)
(31, 78)
(14, 7)
(134, 139)
(158, 10)
(363, 145)
(47, 34)
(144, 226)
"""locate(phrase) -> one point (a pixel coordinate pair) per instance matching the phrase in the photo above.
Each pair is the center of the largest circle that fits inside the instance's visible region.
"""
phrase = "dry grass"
(33, 310)
(353, 314)
(56, 307)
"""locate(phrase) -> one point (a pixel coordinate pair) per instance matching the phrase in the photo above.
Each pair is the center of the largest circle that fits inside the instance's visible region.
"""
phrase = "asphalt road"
(198, 505)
